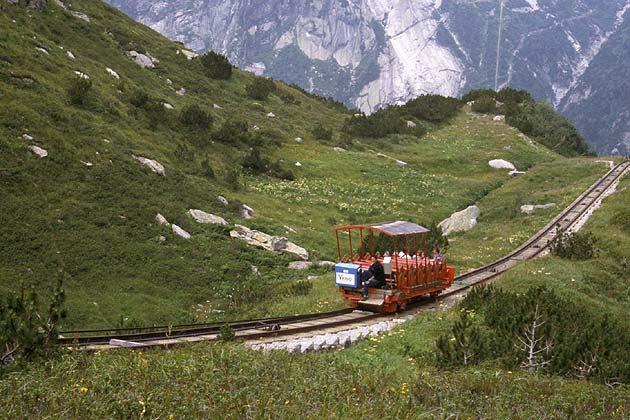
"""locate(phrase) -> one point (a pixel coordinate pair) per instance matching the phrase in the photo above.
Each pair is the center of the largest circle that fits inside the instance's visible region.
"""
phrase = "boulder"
(61, 4)
(70, 55)
(143, 60)
(215, 106)
(339, 149)
(516, 173)
(222, 200)
(256, 128)
(42, 50)
(298, 164)
(27, 137)
(154, 165)
(113, 73)
(502, 164)
(530, 208)
(188, 54)
(181, 91)
(271, 115)
(499, 118)
(299, 139)
(81, 16)
(460, 221)
(168, 106)
(300, 265)
(42, 153)
(161, 220)
(247, 212)
(400, 163)
(411, 124)
(81, 74)
(180, 232)
(162, 238)
(277, 244)
(206, 218)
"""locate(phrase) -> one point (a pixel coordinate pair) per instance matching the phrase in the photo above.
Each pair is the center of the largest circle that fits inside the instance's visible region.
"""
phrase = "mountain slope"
(86, 212)
(372, 53)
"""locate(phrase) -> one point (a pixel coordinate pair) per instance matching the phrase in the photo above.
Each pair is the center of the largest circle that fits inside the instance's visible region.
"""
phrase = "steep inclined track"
(268, 330)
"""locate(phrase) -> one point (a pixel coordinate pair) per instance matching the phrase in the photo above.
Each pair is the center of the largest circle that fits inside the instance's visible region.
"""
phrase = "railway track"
(266, 331)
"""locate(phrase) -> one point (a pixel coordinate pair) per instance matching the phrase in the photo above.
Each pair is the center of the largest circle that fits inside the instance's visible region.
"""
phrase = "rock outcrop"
(206, 218)
(530, 208)
(502, 164)
(154, 165)
(161, 220)
(143, 60)
(460, 221)
(180, 232)
(42, 153)
(278, 244)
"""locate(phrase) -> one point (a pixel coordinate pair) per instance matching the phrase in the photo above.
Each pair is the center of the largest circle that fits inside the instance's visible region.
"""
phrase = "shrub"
(322, 133)
(260, 88)
(216, 66)
(24, 331)
(484, 105)
(155, 112)
(475, 94)
(379, 124)
(277, 171)
(194, 116)
(436, 239)
(434, 108)
(79, 90)
(226, 333)
(254, 162)
(185, 153)
(138, 98)
(574, 246)
(232, 132)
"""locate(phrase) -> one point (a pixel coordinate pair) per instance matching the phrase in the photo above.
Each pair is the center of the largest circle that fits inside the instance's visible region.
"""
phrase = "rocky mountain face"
(370, 53)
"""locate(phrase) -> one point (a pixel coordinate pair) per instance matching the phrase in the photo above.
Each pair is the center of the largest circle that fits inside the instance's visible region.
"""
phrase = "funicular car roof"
(397, 228)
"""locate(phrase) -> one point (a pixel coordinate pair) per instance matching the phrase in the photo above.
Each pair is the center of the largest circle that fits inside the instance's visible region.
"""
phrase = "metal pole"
(372, 242)
(350, 236)
(362, 245)
(338, 246)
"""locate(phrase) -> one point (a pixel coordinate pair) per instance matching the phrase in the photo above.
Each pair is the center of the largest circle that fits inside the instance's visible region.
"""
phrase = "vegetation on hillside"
(537, 120)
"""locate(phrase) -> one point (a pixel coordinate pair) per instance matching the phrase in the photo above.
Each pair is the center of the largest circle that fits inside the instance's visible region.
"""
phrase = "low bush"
(484, 105)
(216, 66)
(322, 133)
(232, 132)
(78, 90)
(195, 117)
(260, 88)
(301, 288)
(574, 246)
(433, 108)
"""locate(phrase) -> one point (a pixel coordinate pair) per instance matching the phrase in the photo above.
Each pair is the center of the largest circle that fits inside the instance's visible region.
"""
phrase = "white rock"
(289, 229)
(299, 139)
(43, 50)
(502, 164)
(143, 60)
(215, 106)
(181, 91)
(499, 118)
(515, 173)
(161, 220)
(222, 200)
(162, 238)
(27, 137)
(154, 165)
(61, 4)
(460, 221)
(530, 208)
(38, 151)
(70, 55)
(180, 232)
(339, 149)
(113, 73)
(411, 124)
(265, 241)
(188, 54)
(271, 115)
(401, 163)
(255, 270)
(206, 218)
(167, 105)
(88, 164)
(300, 265)
(247, 212)
(169, 81)
(81, 16)
(256, 128)
(298, 164)
(81, 74)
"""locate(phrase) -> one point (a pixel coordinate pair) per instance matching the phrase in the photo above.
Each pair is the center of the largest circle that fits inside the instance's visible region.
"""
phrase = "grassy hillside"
(93, 226)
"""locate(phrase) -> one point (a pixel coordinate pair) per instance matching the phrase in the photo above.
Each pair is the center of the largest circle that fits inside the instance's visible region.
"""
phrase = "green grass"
(94, 227)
